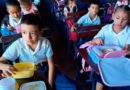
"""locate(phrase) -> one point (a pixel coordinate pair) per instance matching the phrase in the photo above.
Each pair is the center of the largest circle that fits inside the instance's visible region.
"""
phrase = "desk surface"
(38, 76)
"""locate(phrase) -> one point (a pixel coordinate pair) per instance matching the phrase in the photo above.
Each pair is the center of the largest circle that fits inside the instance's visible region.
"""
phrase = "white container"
(36, 85)
(7, 84)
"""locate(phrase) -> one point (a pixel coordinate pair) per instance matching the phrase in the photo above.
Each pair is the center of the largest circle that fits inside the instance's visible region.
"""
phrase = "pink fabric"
(31, 11)
(89, 46)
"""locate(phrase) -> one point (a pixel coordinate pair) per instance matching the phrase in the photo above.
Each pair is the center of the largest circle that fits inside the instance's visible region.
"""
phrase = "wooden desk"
(83, 52)
(38, 76)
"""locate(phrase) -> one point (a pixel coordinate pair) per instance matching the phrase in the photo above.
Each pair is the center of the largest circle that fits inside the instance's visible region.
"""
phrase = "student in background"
(121, 2)
(28, 7)
(11, 23)
(117, 33)
(70, 7)
(91, 18)
(30, 48)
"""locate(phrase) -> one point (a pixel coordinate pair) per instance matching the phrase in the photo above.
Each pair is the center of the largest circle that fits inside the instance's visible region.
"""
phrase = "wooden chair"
(7, 40)
(88, 31)
(84, 32)
(83, 52)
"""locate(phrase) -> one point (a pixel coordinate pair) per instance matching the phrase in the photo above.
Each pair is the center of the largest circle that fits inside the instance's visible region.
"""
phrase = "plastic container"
(8, 84)
(24, 70)
(37, 85)
(97, 52)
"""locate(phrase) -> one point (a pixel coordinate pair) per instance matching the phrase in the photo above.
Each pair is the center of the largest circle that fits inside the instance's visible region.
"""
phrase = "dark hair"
(32, 19)
(96, 2)
(125, 8)
(13, 3)
(25, 2)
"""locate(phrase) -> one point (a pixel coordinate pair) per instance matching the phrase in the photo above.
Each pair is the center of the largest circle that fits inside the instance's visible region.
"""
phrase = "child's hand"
(127, 49)
(7, 70)
(97, 41)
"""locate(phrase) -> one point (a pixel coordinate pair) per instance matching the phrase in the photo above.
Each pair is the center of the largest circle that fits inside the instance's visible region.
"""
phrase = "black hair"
(32, 19)
(125, 8)
(96, 2)
(13, 3)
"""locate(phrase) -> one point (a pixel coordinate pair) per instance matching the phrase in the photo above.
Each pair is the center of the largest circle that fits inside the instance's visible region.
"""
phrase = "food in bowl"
(108, 50)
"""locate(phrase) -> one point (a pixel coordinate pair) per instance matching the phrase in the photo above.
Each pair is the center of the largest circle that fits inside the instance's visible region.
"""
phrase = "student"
(70, 7)
(91, 18)
(30, 48)
(11, 23)
(117, 33)
(121, 2)
(28, 7)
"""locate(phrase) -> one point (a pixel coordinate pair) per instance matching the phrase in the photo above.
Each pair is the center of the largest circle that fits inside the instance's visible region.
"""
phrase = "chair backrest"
(7, 40)
(88, 31)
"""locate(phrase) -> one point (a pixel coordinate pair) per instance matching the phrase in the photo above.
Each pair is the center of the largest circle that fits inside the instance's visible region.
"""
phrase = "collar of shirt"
(25, 46)
(13, 22)
(124, 31)
(90, 18)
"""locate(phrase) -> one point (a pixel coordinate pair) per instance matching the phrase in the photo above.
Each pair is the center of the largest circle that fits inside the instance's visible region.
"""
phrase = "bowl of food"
(105, 51)
(24, 70)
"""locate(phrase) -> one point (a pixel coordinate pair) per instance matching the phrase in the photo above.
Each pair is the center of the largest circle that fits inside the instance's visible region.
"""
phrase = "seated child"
(91, 18)
(28, 7)
(70, 7)
(30, 48)
(11, 23)
(121, 2)
(117, 33)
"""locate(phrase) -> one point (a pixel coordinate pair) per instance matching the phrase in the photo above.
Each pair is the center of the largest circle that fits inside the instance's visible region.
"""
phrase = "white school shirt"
(111, 38)
(13, 23)
(86, 21)
(19, 49)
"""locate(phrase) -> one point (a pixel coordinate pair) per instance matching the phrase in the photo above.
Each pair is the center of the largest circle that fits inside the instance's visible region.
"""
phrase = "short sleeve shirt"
(19, 49)
(32, 10)
(86, 21)
(111, 38)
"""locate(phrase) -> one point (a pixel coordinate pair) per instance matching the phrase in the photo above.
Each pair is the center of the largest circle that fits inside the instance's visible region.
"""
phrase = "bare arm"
(51, 71)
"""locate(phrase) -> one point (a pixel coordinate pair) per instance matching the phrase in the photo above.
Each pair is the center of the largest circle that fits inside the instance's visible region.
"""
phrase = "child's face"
(120, 18)
(15, 12)
(30, 33)
(26, 7)
(93, 9)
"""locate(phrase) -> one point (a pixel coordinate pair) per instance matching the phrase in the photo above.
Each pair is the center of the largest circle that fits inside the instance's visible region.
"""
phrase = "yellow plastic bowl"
(24, 70)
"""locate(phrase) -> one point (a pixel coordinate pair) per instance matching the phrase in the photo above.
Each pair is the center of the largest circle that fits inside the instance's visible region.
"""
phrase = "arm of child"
(7, 69)
(97, 41)
(51, 71)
